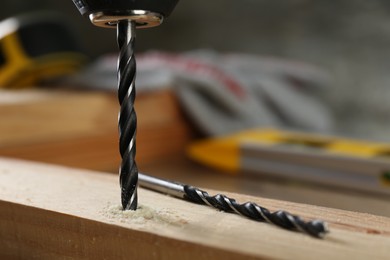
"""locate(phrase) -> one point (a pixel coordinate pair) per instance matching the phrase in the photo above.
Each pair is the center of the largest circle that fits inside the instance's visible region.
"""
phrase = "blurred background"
(349, 39)
(347, 42)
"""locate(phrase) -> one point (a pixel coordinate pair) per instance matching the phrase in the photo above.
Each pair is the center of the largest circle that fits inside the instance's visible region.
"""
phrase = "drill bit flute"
(127, 121)
(126, 15)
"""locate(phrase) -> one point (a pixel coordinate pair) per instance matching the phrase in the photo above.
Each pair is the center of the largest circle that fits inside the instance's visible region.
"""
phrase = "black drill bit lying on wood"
(283, 219)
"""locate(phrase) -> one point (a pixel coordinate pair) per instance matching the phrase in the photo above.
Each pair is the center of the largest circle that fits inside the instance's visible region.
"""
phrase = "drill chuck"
(107, 13)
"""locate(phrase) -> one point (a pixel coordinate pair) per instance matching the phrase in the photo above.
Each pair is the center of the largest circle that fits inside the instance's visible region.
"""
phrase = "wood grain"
(57, 212)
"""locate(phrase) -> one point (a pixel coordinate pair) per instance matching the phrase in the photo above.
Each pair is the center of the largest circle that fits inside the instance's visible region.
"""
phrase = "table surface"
(78, 129)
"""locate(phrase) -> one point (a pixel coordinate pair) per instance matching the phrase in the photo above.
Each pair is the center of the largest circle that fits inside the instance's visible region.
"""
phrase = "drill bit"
(125, 16)
(283, 219)
(127, 119)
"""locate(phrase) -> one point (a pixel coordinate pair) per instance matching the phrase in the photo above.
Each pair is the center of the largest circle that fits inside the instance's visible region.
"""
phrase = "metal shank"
(162, 186)
(127, 121)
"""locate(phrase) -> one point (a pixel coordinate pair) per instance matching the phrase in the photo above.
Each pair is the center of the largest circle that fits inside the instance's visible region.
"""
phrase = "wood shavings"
(142, 215)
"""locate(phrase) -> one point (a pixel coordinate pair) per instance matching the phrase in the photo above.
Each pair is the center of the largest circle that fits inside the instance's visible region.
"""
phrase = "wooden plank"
(57, 212)
(50, 126)
(49, 116)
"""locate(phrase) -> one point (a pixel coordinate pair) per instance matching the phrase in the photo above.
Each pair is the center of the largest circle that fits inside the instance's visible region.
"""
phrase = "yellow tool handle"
(35, 48)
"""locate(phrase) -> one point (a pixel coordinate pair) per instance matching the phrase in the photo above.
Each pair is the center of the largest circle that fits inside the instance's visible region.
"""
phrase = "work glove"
(228, 93)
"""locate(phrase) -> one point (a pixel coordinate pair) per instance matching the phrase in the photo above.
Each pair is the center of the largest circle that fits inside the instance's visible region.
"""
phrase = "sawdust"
(142, 215)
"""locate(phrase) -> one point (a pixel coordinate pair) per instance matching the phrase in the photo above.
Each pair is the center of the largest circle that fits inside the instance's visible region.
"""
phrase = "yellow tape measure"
(36, 48)
(323, 159)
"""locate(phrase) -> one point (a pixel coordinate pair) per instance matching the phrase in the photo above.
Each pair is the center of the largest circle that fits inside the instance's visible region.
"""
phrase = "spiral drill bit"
(283, 219)
(125, 16)
(127, 122)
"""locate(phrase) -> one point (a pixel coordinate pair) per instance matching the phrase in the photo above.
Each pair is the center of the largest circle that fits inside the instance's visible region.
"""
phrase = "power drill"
(126, 16)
